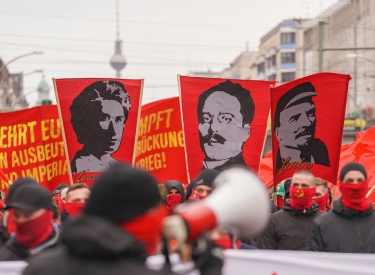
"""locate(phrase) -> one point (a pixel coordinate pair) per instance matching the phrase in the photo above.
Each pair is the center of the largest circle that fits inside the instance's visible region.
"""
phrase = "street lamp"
(18, 57)
(354, 55)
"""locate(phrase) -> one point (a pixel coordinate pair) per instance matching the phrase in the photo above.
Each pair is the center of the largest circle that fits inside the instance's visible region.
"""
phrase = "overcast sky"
(161, 38)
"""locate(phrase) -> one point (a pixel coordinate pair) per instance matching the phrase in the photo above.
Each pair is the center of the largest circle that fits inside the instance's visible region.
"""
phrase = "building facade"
(242, 67)
(11, 90)
(347, 24)
(280, 54)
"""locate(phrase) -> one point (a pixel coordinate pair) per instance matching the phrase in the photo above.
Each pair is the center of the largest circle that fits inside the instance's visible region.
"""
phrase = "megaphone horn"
(239, 202)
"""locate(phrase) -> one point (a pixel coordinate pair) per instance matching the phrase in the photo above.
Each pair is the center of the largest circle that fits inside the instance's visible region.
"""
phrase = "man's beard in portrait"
(210, 139)
(309, 130)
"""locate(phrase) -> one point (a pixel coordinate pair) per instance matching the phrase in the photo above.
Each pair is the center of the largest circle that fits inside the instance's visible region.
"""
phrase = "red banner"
(31, 145)
(224, 121)
(160, 145)
(100, 118)
(307, 125)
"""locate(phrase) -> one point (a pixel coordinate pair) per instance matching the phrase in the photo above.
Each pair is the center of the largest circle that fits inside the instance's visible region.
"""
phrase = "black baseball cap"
(31, 197)
(59, 188)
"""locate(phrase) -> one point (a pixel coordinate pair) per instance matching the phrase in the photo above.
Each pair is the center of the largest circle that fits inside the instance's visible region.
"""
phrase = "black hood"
(93, 237)
(341, 210)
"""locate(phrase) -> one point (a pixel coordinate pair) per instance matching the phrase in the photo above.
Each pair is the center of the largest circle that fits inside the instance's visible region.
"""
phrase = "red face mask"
(280, 202)
(301, 198)
(61, 204)
(147, 228)
(195, 196)
(226, 243)
(34, 232)
(10, 223)
(173, 200)
(354, 195)
(74, 209)
(322, 202)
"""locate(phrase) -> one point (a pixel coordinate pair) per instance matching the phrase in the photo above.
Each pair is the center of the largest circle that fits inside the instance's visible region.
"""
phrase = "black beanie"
(352, 166)
(206, 177)
(59, 187)
(16, 184)
(169, 184)
(122, 193)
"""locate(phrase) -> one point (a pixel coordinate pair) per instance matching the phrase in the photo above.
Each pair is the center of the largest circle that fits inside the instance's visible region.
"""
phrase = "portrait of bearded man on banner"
(294, 126)
(225, 112)
(98, 116)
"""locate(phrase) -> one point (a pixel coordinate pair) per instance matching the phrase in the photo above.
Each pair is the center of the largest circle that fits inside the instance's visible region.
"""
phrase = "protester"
(280, 193)
(189, 189)
(289, 228)
(6, 222)
(203, 184)
(76, 198)
(31, 207)
(120, 226)
(321, 196)
(350, 226)
(56, 191)
(226, 240)
(175, 194)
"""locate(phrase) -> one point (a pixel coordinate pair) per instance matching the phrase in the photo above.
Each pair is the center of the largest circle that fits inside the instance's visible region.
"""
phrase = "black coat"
(92, 246)
(14, 251)
(288, 229)
(344, 230)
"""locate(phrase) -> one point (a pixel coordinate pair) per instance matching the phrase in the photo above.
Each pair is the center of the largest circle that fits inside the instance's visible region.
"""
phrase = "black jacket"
(92, 246)
(288, 229)
(344, 230)
(13, 251)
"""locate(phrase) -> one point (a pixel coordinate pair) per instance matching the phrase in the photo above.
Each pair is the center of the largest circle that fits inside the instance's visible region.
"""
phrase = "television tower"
(118, 61)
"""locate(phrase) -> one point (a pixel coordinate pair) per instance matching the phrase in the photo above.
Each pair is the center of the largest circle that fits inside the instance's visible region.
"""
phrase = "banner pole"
(183, 128)
(63, 132)
(138, 119)
(370, 192)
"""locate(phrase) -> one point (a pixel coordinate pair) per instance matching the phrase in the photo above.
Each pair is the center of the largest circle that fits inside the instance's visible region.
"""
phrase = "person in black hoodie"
(120, 226)
(32, 213)
(289, 228)
(350, 226)
(175, 194)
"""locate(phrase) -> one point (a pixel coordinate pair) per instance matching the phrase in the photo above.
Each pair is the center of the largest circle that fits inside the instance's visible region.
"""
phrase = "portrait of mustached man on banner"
(295, 124)
(225, 112)
(98, 116)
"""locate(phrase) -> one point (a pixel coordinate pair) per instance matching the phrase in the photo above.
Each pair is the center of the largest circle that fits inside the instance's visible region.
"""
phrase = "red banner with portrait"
(224, 122)
(160, 145)
(31, 145)
(100, 118)
(307, 124)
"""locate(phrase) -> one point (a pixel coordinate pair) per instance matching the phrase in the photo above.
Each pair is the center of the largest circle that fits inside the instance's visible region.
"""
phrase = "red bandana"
(34, 232)
(354, 195)
(226, 243)
(280, 202)
(301, 198)
(61, 204)
(74, 209)
(322, 202)
(147, 228)
(195, 196)
(173, 200)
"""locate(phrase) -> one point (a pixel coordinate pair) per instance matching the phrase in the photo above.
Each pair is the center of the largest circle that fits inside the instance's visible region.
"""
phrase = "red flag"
(100, 118)
(31, 145)
(224, 121)
(160, 145)
(307, 124)
(266, 171)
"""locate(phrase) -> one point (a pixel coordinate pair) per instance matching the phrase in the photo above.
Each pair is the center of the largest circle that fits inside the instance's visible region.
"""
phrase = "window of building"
(287, 58)
(272, 61)
(261, 68)
(272, 77)
(285, 77)
(288, 38)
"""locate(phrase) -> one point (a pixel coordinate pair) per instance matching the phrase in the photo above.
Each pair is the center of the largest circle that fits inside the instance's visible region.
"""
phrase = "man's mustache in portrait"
(309, 130)
(212, 137)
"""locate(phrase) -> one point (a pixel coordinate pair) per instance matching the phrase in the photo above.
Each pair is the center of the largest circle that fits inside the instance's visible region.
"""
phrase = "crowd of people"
(115, 225)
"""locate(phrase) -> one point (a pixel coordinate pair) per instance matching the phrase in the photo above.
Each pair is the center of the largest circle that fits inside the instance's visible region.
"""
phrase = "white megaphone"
(239, 203)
